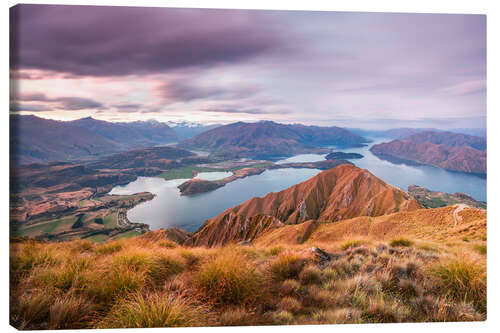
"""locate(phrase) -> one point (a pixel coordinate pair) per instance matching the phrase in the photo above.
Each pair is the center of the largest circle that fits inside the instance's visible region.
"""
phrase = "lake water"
(170, 209)
(216, 175)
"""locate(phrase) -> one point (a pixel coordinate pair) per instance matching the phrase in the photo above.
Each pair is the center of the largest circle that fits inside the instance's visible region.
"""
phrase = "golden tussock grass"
(149, 283)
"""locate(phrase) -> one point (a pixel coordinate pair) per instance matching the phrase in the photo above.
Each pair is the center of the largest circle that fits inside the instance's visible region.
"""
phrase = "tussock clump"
(167, 244)
(318, 298)
(481, 249)
(287, 266)
(32, 309)
(351, 244)
(154, 310)
(191, 258)
(290, 304)
(162, 267)
(290, 287)
(70, 312)
(404, 270)
(66, 276)
(380, 312)
(238, 316)
(114, 283)
(463, 281)
(310, 275)
(404, 242)
(32, 255)
(108, 248)
(274, 251)
(283, 318)
(340, 316)
(228, 280)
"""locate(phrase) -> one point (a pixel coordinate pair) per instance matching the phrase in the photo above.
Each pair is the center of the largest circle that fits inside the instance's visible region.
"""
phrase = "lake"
(170, 209)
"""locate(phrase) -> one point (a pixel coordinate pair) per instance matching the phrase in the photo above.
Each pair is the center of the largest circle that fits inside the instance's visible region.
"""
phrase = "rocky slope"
(269, 139)
(463, 159)
(336, 194)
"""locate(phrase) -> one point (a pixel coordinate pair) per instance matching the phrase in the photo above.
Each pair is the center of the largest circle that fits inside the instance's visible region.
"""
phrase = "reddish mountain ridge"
(463, 159)
(336, 194)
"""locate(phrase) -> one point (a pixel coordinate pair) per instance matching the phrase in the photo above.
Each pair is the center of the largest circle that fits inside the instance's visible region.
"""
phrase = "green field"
(46, 227)
(128, 234)
(185, 172)
(99, 238)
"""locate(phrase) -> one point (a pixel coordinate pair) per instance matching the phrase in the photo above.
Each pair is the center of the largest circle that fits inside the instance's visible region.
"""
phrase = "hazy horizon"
(347, 69)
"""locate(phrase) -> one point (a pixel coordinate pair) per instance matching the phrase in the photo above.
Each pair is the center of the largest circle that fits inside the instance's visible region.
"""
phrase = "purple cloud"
(105, 41)
(64, 103)
(184, 90)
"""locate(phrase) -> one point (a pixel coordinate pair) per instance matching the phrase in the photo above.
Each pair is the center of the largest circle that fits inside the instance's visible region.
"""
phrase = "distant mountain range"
(187, 130)
(34, 139)
(131, 134)
(267, 139)
(450, 151)
(400, 133)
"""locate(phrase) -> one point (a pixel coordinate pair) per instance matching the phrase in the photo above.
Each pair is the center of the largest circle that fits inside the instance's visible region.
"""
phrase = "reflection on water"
(169, 209)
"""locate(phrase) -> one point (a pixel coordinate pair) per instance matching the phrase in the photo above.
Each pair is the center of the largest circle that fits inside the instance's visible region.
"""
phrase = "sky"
(365, 70)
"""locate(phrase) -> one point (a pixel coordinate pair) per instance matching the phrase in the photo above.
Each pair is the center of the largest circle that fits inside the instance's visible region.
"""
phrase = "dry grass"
(154, 310)
(149, 283)
(229, 280)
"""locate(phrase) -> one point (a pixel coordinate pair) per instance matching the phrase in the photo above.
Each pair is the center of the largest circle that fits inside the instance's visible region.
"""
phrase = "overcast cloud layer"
(327, 68)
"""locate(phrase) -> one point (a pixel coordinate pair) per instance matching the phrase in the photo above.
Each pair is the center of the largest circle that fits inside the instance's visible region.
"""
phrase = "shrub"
(401, 242)
(463, 281)
(287, 266)
(228, 280)
(79, 222)
(154, 310)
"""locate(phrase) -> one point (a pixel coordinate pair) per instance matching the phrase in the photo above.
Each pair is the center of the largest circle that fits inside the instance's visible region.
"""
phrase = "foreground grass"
(141, 282)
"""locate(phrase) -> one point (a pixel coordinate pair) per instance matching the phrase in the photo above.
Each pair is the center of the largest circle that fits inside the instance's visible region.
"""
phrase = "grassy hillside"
(152, 282)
